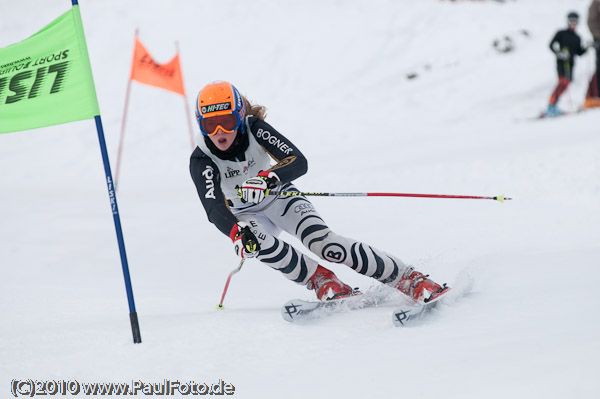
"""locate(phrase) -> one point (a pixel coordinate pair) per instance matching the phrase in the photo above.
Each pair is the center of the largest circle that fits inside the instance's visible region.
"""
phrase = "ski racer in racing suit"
(239, 164)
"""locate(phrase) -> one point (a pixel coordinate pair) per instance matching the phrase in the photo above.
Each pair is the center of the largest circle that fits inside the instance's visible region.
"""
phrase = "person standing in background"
(565, 44)
(593, 95)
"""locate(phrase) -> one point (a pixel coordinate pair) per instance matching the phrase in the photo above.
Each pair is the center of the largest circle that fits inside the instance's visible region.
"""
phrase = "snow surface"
(333, 75)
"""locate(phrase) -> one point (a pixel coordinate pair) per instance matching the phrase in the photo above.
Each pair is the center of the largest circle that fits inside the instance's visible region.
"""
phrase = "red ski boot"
(328, 286)
(417, 286)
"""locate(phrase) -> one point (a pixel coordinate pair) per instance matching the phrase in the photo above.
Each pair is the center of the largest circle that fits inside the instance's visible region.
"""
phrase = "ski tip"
(296, 308)
(405, 315)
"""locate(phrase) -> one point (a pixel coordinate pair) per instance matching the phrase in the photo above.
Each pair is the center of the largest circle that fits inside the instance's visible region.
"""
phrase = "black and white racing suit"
(261, 147)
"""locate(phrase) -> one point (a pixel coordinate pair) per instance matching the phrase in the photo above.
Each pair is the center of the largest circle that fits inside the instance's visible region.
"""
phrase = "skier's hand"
(244, 241)
(270, 177)
(563, 55)
(590, 44)
(255, 188)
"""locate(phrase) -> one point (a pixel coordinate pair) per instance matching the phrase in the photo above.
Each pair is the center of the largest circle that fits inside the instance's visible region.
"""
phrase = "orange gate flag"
(145, 70)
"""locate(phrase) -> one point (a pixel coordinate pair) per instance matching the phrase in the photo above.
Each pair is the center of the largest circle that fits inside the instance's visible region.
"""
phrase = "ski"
(544, 115)
(407, 314)
(298, 309)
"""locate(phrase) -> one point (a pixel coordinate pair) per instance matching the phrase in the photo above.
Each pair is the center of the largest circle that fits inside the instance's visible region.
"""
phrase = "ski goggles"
(228, 123)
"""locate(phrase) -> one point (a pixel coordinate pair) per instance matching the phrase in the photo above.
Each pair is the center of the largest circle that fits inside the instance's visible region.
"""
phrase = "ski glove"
(563, 55)
(255, 188)
(244, 241)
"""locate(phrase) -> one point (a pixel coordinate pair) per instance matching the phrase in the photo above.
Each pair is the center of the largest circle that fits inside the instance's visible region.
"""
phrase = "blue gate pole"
(135, 327)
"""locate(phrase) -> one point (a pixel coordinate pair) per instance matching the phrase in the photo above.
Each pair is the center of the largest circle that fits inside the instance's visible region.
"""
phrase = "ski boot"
(328, 286)
(553, 110)
(417, 286)
(591, 102)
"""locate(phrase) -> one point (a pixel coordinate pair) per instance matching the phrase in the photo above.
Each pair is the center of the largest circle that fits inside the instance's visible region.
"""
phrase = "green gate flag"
(47, 79)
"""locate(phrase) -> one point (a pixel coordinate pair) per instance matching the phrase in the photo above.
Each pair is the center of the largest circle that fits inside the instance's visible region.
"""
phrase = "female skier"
(237, 184)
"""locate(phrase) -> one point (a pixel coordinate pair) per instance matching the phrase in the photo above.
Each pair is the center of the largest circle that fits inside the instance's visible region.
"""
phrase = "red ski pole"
(234, 271)
(499, 198)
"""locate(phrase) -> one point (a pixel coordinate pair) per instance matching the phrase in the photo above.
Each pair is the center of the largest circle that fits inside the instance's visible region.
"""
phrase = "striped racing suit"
(216, 174)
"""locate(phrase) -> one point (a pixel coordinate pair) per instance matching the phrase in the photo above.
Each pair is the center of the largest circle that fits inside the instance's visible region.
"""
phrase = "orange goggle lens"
(228, 123)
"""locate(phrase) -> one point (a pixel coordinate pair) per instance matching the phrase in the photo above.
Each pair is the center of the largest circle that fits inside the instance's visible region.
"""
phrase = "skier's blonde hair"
(259, 111)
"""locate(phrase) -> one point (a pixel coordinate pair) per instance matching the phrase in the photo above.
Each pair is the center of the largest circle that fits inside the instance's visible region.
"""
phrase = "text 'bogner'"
(266, 135)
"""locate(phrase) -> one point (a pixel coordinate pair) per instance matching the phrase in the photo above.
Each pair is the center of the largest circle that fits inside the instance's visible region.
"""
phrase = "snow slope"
(333, 75)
